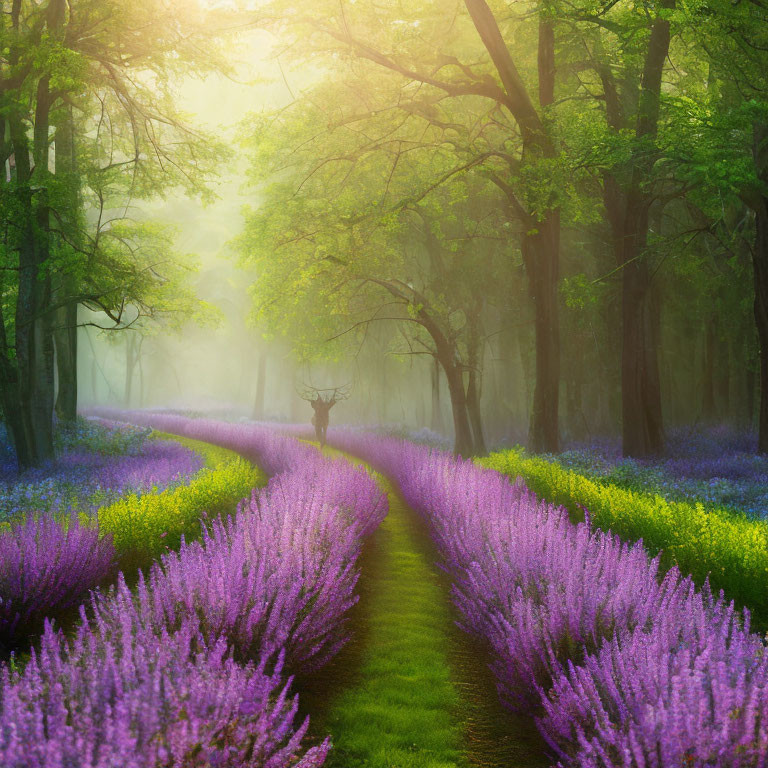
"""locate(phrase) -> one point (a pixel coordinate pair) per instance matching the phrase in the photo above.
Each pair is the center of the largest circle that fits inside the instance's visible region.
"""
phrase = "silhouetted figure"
(322, 405)
(322, 408)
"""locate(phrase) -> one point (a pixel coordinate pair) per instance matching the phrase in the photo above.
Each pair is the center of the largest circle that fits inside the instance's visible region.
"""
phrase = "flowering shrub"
(85, 480)
(145, 526)
(622, 669)
(121, 693)
(50, 562)
(147, 680)
(691, 691)
(717, 466)
(47, 567)
(280, 576)
(730, 549)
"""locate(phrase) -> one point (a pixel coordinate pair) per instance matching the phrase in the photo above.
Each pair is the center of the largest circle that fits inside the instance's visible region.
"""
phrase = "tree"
(726, 161)
(388, 245)
(459, 53)
(72, 68)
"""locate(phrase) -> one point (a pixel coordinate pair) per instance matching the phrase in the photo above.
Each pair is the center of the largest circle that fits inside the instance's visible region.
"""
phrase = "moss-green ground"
(213, 455)
(410, 691)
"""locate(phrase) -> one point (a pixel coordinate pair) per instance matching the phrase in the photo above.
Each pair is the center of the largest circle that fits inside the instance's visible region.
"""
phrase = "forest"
(384, 384)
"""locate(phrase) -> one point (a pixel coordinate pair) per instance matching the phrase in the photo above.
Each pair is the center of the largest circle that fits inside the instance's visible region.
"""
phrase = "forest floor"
(411, 690)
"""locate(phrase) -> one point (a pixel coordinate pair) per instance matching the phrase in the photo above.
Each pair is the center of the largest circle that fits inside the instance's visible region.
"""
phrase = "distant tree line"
(589, 179)
(88, 127)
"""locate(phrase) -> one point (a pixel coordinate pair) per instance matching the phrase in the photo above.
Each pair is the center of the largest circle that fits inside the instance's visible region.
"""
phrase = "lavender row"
(717, 467)
(46, 567)
(193, 666)
(620, 667)
(49, 559)
(85, 480)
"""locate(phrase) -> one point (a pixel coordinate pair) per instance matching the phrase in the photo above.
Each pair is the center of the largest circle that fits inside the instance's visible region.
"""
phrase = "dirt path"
(410, 690)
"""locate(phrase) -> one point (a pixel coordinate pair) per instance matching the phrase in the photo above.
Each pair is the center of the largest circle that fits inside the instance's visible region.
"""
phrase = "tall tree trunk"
(43, 399)
(475, 414)
(27, 378)
(65, 336)
(760, 268)
(261, 384)
(541, 254)
(640, 389)
(463, 443)
(10, 400)
(541, 248)
(65, 321)
(474, 384)
(436, 418)
(627, 210)
(43, 376)
(34, 348)
(708, 410)
(643, 432)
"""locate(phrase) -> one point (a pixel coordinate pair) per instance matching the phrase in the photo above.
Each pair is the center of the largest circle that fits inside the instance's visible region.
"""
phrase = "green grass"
(706, 542)
(401, 709)
(408, 692)
(213, 455)
(144, 526)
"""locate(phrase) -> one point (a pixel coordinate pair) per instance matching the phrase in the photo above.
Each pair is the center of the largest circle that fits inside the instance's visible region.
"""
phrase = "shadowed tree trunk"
(643, 432)
(640, 388)
(628, 212)
(27, 378)
(463, 443)
(541, 255)
(436, 419)
(65, 321)
(759, 204)
(261, 383)
(65, 337)
(474, 385)
(30, 386)
(541, 241)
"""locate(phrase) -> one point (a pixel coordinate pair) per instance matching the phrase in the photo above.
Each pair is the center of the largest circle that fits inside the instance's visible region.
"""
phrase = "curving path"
(411, 690)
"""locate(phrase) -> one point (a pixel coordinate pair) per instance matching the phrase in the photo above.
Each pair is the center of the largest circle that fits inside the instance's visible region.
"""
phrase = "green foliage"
(144, 526)
(371, 219)
(581, 293)
(112, 135)
(411, 701)
(729, 549)
(402, 711)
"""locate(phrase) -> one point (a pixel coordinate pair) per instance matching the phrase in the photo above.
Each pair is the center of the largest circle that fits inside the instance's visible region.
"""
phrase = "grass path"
(410, 691)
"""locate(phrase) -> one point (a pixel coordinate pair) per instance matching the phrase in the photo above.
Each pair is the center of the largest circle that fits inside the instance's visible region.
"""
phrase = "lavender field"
(384, 384)
(717, 467)
(204, 659)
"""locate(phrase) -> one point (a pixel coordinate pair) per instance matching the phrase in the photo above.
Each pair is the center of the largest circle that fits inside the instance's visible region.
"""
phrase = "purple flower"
(623, 668)
(189, 668)
(47, 567)
(122, 694)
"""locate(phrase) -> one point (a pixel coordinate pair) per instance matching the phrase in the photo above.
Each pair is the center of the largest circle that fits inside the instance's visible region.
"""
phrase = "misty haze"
(384, 384)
